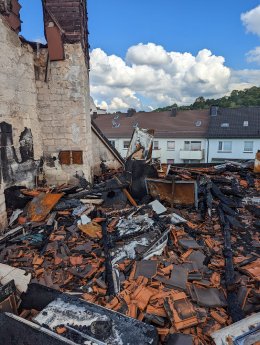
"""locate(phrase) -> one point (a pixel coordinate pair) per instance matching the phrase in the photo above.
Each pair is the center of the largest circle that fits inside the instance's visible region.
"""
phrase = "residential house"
(233, 133)
(180, 136)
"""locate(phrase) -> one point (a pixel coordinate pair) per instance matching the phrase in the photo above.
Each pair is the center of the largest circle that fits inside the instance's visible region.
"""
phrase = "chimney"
(66, 22)
(213, 110)
(10, 9)
(174, 112)
(130, 112)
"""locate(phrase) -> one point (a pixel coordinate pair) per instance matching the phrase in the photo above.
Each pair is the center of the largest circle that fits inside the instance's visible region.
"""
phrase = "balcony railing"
(190, 154)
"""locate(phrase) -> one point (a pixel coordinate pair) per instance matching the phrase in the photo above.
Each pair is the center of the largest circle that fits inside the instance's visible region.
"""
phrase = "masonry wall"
(102, 153)
(21, 145)
(63, 103)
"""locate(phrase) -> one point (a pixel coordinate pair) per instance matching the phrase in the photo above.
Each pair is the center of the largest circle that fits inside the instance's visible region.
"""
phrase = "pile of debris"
(188, 270)
(185, 265)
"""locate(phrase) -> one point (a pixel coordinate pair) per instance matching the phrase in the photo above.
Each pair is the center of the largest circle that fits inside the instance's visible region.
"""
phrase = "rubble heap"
(187, 270)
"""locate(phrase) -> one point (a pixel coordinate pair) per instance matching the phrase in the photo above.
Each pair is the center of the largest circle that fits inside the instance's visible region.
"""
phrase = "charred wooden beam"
(108, 264)
(234, 308)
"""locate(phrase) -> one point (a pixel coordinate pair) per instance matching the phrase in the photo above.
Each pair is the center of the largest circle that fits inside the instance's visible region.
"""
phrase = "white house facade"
(179, 136)
(232, 149)
(193, 136)
(233, 134)
(170, 150)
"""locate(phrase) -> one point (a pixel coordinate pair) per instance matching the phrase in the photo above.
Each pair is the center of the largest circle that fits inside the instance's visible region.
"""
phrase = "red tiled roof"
(165, 126)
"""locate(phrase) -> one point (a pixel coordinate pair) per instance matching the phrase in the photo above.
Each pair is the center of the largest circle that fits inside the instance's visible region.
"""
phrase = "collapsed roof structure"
(176, 264)
(138, 255)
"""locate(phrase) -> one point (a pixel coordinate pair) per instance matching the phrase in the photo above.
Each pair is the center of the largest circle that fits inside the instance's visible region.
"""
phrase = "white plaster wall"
(101, 152)
(237, 149)
(163, 153)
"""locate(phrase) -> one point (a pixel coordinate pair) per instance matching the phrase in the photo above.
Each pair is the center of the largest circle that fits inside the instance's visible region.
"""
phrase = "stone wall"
(44, 104)
(63, 104)
(20, 136)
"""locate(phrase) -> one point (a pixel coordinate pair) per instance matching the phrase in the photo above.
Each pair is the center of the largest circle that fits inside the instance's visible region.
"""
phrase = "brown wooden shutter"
(77, 157)
(64, 157)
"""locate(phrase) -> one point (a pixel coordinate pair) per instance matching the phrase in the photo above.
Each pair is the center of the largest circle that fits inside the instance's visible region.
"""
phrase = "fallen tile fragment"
(146, 268)
(42, 205)
(92, 229)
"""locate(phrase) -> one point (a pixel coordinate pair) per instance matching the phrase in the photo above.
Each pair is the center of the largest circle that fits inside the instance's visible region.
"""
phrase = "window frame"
(222, 149)
(170, 141)
(126, 141)
(249, 141)
(156, 147)
(224, 125)
(189, 144)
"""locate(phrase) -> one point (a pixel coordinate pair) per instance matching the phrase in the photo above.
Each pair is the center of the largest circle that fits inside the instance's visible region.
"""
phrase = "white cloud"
(242, 79)
(150, 77)
(251, 20)
(254, 55)
(143, 54)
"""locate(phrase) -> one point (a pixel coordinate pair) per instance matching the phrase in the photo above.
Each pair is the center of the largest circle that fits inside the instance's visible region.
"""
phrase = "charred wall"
(20, 136)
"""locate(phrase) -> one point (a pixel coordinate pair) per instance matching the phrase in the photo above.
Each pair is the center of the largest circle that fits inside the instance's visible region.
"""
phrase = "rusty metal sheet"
(41, 205)
(174, 192)
(55, 44)
(64, 157)
(77, 157)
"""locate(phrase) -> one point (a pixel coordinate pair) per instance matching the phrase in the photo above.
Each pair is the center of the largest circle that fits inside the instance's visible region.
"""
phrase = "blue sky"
(180, 25)
(176, 25)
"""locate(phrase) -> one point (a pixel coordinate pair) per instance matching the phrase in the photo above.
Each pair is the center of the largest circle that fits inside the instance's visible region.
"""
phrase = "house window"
(245, 124)
(170, 161)
(156, 145)
(126, 144)
(192, 145)
(113, 142)
(171, 145)
(71, 157)
(248, 146)
(225, 146)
